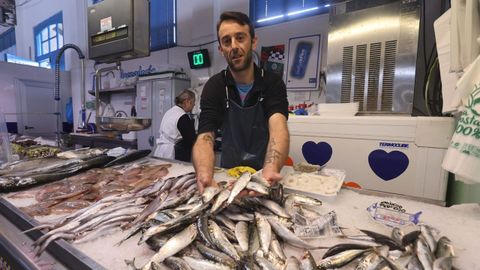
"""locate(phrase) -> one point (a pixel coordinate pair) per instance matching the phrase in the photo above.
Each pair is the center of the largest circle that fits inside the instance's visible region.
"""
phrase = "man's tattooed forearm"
(272, 156)
(272, 143)
(208, 138)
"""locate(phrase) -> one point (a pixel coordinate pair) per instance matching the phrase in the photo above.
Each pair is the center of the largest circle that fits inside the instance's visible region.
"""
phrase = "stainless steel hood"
(7, 13)
(372, 57)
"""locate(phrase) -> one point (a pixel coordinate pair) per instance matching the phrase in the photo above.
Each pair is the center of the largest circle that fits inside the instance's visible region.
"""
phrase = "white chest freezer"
(396, 154)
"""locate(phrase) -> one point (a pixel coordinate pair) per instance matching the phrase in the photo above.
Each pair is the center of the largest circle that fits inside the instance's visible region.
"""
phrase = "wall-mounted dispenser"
(118, 30)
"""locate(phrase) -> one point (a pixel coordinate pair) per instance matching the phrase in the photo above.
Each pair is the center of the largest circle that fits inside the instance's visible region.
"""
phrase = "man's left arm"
(277, 149)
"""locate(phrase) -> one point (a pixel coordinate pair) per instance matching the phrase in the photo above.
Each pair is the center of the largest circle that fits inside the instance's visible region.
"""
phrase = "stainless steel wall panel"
(372, 57)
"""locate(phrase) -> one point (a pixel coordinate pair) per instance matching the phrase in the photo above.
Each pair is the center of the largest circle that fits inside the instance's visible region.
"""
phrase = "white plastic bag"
(463, 154)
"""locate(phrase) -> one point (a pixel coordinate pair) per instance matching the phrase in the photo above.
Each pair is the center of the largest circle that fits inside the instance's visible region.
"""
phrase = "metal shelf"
(129, 88)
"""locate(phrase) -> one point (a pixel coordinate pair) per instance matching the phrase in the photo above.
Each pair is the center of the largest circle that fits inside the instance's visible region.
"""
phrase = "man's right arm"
(204, 159)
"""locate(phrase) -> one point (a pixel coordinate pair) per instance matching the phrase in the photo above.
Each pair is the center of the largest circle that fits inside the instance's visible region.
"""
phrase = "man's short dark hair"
(239, 18)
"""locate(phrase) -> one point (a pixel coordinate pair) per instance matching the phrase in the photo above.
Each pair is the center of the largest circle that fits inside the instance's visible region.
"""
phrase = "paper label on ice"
(392, 214)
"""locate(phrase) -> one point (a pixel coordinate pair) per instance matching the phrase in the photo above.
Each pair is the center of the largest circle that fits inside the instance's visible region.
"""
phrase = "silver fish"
(209, 193)
(427, 233)
(257, 187)
(369, 262)
(253, 239)
(202, 226)
(241, 232)
(181, 180)
(173, 223)
(414, 263)
(423, 252)
(301, 199)
(215, 255)
(225, 221)
(341, 259)
(397, 235)
(200, 264)
(389, 264)
(444, 248)
(443, 263)
(221, 241)
(288, 236)
(308, 262)
(264, 263)
(173, 245)
(177, 263)
(220, 200)
(239, 185)
(276, 248)
(274, 207)
(264, 231)
(275, 260)
(238, 216)
(260, 179)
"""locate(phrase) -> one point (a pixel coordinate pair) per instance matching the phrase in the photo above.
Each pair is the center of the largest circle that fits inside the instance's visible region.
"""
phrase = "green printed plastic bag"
(463, 154)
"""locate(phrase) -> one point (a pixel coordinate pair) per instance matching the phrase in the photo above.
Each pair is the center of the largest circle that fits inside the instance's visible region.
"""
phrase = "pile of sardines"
(220, 229)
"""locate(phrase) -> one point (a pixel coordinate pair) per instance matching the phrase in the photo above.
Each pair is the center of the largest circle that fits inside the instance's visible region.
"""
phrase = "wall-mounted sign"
(199, 59)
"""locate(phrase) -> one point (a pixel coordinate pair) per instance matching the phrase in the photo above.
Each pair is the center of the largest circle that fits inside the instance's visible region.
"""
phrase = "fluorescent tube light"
(270, 18)
(302, 11)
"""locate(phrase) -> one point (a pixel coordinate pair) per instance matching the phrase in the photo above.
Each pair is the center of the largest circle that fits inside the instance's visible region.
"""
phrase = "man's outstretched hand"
(202, 183)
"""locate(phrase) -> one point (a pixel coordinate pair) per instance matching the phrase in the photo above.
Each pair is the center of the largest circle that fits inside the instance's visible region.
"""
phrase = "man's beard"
(243, 66)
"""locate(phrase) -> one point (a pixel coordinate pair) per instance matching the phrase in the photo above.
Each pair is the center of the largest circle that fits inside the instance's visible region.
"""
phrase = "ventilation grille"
(347, 69)
(360, 68)
(372, 82)
(374, 76)
(388, 75)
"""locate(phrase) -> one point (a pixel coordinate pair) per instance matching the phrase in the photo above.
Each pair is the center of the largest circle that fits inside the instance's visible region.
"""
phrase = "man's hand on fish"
(204, 182)
(271, 175)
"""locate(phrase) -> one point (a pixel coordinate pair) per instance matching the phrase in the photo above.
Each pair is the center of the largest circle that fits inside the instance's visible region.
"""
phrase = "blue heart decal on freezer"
(317, 153)
(388, 165)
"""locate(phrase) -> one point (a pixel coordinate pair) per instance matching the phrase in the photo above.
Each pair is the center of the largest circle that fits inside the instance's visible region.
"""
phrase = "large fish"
(128, 157)
(35, 166)
(10, 183)
(239, 185)
(173, 245)
(341, 259)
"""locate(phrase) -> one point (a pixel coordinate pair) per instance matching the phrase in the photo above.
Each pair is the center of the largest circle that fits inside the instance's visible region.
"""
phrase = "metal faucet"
(98, 85)
(81, 56)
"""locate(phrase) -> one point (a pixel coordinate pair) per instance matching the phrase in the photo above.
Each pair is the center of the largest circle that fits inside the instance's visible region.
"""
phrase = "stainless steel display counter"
(16, 249)
(460, 223)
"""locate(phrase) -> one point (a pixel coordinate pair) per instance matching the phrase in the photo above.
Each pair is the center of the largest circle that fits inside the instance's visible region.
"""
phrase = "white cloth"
(449, 79)
(463, 155)
(465, 29)
(169, 134)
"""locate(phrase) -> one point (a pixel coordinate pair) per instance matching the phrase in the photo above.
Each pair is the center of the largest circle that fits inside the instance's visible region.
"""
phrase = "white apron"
(169, 134)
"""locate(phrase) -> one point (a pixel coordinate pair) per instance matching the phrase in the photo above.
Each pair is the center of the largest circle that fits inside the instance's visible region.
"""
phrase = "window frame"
(40, 40)
(7, 39)
(170, 27)
(285, 15)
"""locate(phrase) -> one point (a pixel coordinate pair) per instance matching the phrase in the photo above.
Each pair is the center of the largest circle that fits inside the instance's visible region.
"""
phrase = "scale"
(118, 30)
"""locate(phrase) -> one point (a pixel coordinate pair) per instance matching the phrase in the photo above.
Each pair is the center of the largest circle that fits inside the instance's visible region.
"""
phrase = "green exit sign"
(199, 59)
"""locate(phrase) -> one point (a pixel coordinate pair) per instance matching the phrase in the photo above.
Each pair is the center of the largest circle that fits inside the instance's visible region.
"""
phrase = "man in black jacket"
(249, 104)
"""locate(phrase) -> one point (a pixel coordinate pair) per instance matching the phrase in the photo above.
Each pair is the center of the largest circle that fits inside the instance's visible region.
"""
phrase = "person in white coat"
(177, 131)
